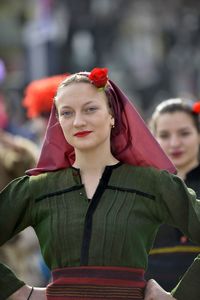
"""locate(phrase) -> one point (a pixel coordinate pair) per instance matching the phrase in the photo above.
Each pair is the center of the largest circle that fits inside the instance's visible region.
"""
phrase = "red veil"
(135, 144)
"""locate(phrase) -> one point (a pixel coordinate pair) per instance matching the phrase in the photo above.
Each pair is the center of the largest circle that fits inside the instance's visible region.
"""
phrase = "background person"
(175, 124)
(37, 100)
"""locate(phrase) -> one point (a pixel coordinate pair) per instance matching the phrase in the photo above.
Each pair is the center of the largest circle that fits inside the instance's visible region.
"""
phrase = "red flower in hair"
(39, 95)
(196, 107)
(99, 77)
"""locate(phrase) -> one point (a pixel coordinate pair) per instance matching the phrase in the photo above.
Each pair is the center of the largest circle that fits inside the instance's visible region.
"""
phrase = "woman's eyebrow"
(84, 104)
(89, 102)
(65, 106)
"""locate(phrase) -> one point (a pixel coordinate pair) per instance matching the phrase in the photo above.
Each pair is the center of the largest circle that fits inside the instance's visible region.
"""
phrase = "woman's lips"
(176, 154)
(82, 133)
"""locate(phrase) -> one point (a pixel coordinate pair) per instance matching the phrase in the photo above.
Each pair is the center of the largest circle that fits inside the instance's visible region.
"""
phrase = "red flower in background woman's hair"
(196, 107)
(99, 77)
(39, 95)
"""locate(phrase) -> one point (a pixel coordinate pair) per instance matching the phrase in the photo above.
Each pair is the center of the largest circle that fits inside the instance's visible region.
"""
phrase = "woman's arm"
(15, 215)
(178, 206)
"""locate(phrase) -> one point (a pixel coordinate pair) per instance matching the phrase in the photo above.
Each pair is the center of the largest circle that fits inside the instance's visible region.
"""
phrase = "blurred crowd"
(150, 47)
(152, 50)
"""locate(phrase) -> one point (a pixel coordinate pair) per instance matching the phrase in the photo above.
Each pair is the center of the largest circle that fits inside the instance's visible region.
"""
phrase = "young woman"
(175, 124)
(101, 189)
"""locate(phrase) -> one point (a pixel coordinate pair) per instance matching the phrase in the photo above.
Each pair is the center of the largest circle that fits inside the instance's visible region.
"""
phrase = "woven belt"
(97, 283)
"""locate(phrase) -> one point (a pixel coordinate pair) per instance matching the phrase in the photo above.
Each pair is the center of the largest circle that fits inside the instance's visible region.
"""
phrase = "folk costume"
(98, 248)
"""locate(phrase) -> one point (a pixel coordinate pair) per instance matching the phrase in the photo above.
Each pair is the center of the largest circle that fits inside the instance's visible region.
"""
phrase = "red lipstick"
(82, 133)
(177, 154)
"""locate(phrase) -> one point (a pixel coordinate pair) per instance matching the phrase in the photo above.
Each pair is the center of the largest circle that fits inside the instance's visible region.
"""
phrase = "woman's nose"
(79, 120)
(174, 141)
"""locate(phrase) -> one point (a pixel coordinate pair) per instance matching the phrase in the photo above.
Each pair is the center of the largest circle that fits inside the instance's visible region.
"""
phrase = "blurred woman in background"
(175, 124)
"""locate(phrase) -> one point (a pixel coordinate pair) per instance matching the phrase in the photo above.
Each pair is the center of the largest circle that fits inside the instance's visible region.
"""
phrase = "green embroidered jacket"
(116, 227)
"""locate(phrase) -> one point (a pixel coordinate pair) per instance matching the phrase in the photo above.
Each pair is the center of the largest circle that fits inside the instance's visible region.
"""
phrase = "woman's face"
(84, 116)
(179, 138)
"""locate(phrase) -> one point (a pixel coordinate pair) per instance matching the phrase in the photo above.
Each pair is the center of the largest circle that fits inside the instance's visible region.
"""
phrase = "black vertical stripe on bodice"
(88, 219)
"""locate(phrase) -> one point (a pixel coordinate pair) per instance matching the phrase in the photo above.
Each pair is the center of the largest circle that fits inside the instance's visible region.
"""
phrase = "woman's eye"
(163, 136)
(185, 133)
(90, 109)
(66, 113)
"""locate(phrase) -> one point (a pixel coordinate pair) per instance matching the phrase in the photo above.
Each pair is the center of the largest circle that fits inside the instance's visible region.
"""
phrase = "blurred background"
(151, 47)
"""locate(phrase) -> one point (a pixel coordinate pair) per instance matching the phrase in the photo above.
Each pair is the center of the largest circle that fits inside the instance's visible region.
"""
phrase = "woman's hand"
(24, 292)
(154, 291)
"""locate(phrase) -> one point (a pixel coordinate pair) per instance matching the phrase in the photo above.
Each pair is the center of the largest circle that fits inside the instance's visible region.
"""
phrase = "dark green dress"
(116, 227)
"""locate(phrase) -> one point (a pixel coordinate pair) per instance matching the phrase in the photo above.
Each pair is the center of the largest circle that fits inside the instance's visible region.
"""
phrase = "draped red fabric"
(134, 145)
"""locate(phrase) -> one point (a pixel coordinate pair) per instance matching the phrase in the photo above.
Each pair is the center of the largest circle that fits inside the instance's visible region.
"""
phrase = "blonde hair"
(74, 78)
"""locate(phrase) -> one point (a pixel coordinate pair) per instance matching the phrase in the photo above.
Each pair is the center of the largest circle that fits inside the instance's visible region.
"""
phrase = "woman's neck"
(92, 165)
(182, 172)
(91, 161)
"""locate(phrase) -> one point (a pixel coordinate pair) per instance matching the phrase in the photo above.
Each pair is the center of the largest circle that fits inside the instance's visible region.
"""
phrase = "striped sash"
(96, 283)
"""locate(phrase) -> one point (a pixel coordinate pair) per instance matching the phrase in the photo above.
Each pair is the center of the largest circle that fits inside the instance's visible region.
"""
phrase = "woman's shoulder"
(51, 181)
(50, 176)
(138, 177)
(143, 170)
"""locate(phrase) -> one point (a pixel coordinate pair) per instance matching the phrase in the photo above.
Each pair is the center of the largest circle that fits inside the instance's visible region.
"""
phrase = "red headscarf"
(134, 145)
